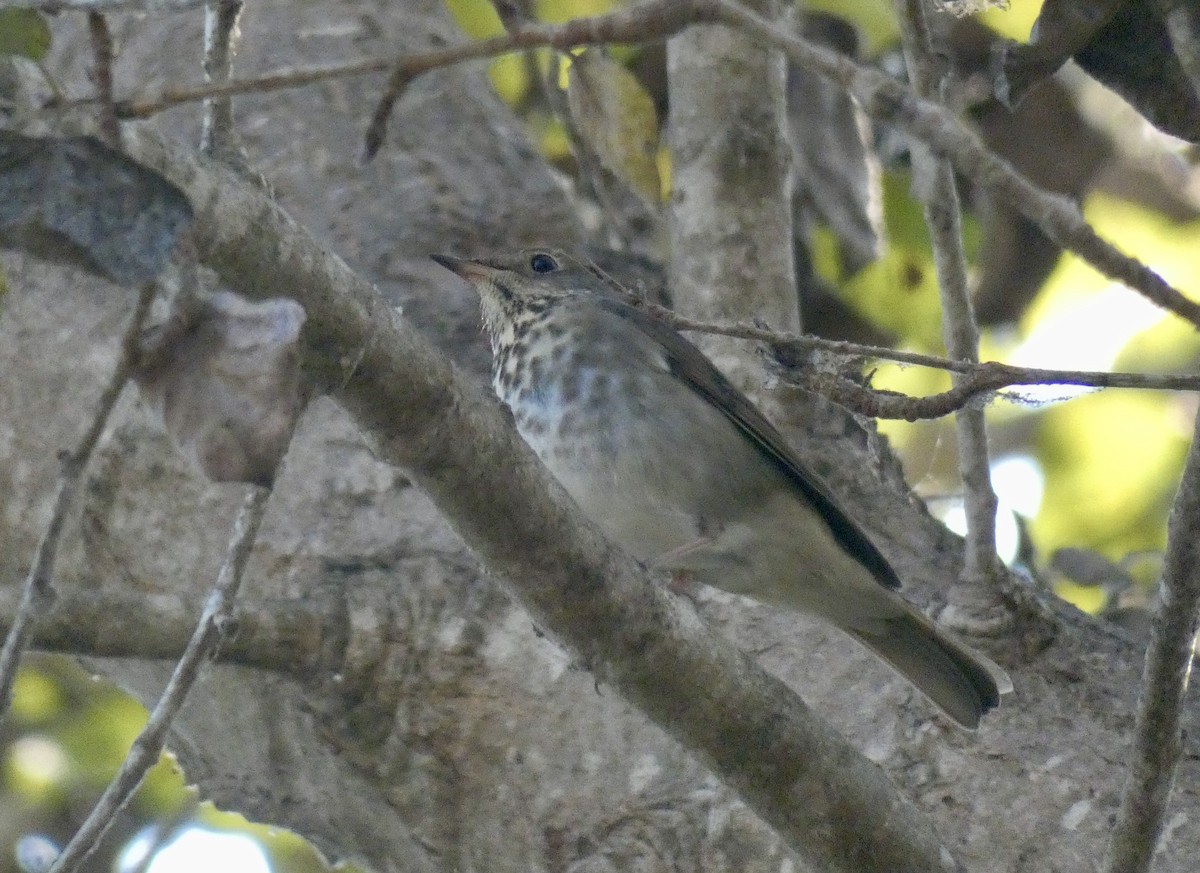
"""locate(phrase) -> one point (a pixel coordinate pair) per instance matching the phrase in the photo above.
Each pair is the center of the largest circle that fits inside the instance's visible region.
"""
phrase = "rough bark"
(468, 741)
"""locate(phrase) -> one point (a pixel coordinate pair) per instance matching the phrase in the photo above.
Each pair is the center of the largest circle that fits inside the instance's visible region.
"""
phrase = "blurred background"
(1085, 478)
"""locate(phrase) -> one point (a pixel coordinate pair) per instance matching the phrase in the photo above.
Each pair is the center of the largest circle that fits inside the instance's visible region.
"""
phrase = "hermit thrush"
(680, 469)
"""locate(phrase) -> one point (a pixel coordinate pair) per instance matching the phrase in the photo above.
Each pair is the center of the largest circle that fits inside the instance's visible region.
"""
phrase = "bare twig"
(647, 22)
(981, 377)
(882, 97)
(104, 5)
(38, 592)
(1158, 738)
(874, 403)
(938, 193)
(220, 31)
(102, 75)
(282, 80)
(215, 622)
(1183, 26)
(643, 23)
(888, 100)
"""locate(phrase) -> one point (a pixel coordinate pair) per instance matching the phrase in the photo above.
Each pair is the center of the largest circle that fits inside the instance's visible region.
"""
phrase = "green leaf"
(617, 118)
(24, 32)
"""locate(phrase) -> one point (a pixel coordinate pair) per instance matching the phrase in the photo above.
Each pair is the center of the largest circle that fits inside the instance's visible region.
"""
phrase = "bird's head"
(515, 289)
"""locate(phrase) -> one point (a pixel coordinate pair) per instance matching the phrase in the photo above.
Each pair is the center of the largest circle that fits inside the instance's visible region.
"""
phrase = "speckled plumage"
(680, 469)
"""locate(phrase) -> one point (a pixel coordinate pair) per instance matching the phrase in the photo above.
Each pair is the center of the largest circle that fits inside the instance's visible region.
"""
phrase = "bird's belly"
(609, 481)
(630, 465)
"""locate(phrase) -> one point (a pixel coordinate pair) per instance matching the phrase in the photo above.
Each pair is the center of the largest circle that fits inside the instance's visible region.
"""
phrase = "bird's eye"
(543, 263)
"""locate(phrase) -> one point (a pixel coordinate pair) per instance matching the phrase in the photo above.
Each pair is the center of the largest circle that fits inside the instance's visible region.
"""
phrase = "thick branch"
(731, 200)
(1158, 738)
(831, 804)
(283, 636)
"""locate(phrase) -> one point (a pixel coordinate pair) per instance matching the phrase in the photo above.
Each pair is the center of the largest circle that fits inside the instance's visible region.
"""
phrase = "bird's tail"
(961, 682)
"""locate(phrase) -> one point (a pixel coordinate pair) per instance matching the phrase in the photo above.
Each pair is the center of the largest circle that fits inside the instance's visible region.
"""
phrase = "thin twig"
(1182, 21)
(56, 6)
(882, 97)
(215, 623)
(984, 377)
(938, 193)
(888, 100)
(220, 31)
(875, 403)
(1158, 737)
(644, 23)
(38, 592)
(282, 80)
(102, 74)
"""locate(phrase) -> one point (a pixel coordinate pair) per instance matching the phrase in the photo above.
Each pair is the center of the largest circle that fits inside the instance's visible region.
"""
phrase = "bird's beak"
(472, 271)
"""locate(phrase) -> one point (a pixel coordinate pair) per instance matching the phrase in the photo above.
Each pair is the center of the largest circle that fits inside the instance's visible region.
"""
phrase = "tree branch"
(882, 97)
(102, 75)
(215, 623)
(979, 378)
(104, 5)
(935, 187)
(887, 100)
(219, 137)
(731, 201)
(38, 592)
(746, 725)
(1158, 737)
(282, 636)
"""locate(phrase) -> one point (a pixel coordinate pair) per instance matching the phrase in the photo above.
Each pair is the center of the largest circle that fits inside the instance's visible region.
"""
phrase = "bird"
(680, 469)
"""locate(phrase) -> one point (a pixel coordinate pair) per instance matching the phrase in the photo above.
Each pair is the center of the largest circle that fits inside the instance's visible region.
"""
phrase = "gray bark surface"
(464, 740)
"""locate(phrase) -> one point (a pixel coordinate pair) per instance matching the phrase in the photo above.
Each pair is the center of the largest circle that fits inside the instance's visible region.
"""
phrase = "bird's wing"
(688, 363)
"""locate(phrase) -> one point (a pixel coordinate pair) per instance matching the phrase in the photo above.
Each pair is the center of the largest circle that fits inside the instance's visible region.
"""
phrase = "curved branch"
(888, 100)
(1158, 736)
(746, 725)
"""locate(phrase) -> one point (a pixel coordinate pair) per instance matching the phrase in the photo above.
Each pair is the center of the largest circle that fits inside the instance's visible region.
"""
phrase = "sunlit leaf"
(98, 738)
(552, 138)
(24, 32)
(618, 120)
(1015, 21)
(899, 293)
(555, 11)
(1111, 462)
(1088, 598)
(510, 77)
(663, 160)
(165, 789)
(477, 18)
(36, 697)
(37, 767)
